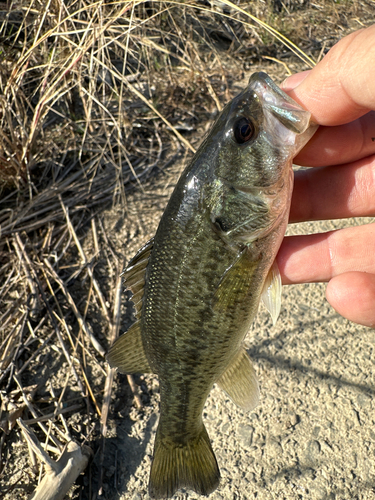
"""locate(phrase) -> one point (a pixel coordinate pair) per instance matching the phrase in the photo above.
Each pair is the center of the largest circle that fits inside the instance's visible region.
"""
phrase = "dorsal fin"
(127, 353)
(134, 275)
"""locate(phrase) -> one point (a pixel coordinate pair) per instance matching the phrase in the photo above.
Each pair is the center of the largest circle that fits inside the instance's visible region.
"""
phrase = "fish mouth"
(289, 121)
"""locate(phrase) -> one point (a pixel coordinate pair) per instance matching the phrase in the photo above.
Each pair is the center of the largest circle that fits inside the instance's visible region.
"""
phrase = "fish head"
(242, 176)
(242, 173)
(258, 134)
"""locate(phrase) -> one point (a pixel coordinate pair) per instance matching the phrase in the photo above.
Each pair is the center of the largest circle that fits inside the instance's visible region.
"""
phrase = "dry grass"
(94, 99)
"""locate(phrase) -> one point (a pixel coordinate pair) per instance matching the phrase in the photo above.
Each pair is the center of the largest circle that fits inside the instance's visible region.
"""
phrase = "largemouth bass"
(197, 284)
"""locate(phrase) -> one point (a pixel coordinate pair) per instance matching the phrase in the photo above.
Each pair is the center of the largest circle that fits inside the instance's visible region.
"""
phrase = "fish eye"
(243, 130)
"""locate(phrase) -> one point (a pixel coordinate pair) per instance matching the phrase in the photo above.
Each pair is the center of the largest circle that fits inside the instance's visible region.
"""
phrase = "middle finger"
(338, 191)
(341, 144)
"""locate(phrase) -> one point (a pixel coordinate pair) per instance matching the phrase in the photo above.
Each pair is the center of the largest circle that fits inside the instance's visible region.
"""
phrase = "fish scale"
(198, 283)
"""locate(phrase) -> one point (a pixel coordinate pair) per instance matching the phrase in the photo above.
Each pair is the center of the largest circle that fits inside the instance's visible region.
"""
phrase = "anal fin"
(127, 353)
(239, 381)
(271, 293)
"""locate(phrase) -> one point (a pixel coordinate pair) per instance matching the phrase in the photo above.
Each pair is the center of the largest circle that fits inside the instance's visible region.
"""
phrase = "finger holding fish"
(334, 192)
(339, 91)
(343, 258)
(340, 144)
(333, 253)
(352, 294)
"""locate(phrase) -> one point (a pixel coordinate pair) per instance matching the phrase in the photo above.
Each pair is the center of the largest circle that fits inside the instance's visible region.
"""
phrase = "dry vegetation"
(95, 98)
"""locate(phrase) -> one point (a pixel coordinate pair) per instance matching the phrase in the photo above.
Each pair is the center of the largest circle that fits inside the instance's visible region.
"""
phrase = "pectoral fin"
(240, 383)
(271, 293)
(234, 285)
(127, 353)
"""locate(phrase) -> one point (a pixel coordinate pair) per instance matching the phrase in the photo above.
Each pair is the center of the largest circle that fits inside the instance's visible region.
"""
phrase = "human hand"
(340, 94)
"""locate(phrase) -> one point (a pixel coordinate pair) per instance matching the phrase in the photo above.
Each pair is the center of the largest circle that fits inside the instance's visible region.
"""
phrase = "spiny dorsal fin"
(127, 353)
(134, 275)
(143, 252)
(271, 293)
(234, 285)
(239, 381)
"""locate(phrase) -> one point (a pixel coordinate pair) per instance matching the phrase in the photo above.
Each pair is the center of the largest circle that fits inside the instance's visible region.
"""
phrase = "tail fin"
(192, 465)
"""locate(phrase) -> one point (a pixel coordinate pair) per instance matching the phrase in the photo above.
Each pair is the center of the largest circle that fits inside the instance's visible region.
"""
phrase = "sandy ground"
(312, 435)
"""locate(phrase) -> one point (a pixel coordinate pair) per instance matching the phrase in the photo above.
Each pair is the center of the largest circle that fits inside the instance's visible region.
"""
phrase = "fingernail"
(293, 81)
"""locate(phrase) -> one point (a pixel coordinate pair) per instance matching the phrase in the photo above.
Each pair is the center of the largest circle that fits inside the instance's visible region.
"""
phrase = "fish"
(198, 283)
